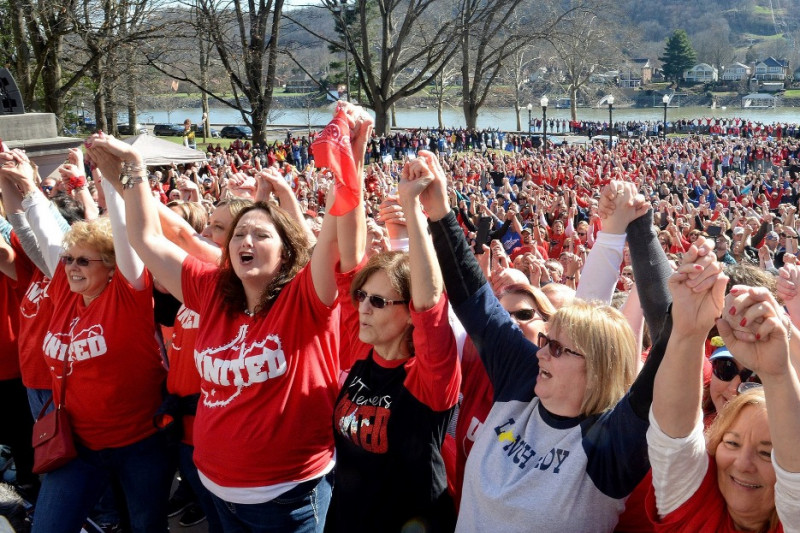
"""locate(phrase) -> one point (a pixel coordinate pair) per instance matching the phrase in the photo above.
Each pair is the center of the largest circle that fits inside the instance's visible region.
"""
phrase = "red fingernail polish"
(732, 311)
(743, 323)
(734, 291)
(758, 337)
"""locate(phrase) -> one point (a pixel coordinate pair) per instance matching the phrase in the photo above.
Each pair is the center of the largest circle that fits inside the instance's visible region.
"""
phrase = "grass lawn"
(792, 93)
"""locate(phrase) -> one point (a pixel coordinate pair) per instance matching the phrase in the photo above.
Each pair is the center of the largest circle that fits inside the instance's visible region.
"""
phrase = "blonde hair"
(95, 234)
(722, 423)
(603, 336)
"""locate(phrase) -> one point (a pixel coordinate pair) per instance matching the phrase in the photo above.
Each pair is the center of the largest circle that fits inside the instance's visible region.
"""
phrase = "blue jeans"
(189, 474)
(300, 510)
(37, 398)
(142, 470)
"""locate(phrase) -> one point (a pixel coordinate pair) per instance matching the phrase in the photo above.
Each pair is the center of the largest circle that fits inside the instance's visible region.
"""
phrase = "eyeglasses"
(47, 188)
(378, 302)
(81, 261)
(581, 234)
(524, 315)
(556, 348)
(726, 370)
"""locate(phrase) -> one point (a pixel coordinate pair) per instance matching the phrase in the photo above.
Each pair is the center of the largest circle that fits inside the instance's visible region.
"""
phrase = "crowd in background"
(649, 229)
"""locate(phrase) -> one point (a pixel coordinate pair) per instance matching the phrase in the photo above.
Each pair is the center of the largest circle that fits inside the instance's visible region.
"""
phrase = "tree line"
(111, 52)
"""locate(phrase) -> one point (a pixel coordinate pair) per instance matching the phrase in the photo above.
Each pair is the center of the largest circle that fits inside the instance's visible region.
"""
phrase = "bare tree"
(441, 87)
(59, 43)
(396, 53)
(245, 38)
(713, 46)
(493, 31)
(586, 45)
(517, 70)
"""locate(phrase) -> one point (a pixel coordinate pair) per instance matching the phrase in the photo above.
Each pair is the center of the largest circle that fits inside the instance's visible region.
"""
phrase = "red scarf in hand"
(332, 151)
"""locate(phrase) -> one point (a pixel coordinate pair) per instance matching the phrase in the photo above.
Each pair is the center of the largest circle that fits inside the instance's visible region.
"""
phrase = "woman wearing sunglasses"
(744, 474)
(530, 309)
(548, 457)
(395, 404)
(114, 374)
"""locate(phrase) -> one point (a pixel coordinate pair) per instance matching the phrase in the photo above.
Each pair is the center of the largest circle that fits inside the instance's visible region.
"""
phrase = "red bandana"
(332, 150)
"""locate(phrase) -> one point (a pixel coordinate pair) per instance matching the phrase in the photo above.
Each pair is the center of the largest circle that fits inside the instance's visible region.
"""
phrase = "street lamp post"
(530, 108)
(665, 99)
(544, 101)
(610, 101)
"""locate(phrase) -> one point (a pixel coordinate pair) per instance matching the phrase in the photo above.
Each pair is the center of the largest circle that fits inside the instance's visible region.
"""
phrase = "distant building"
(636, 73)
(760, 101)
(301, 86)
(736, 72)
(771, 69)
(701, 73)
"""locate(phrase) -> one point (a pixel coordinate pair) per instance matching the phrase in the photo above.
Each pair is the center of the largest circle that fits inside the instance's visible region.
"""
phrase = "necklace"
(249, 313)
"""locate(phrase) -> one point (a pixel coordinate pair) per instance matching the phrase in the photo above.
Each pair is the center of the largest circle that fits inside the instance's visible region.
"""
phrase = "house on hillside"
(736, 72)
(701, 73)
(771, 69)
(301, 86)
(635, 73)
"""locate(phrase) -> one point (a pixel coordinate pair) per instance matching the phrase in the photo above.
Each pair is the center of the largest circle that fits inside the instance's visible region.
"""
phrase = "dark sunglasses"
(81, 261)
(726, 370)
(524, 315)
(556, 349)
(47, 188)
(378, 302)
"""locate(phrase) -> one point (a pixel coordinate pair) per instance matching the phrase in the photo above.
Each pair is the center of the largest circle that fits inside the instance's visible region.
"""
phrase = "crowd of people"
(461, 332)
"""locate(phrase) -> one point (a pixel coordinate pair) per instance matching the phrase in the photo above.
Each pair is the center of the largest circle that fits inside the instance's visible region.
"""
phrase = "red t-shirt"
(268, 384)
(182, 378)
(478, 399)
(115, 370)
(9, 329)
(704, 512)
(35, 310)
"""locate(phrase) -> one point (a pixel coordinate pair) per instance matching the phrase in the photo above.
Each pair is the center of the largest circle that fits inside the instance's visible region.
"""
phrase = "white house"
(771, 69)
(736, 72)
(701, 73)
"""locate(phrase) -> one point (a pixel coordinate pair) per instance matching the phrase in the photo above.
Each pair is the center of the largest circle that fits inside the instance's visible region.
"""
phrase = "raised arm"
(698, 290)
(601, 272)
(426, 278)
(347, 241)
(18, 173)
(177, 230)
(73, 175)
(163, 258)
(271, 181)
(128, 263)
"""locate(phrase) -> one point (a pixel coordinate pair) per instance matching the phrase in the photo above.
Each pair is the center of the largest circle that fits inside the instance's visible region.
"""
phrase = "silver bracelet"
(130, 168)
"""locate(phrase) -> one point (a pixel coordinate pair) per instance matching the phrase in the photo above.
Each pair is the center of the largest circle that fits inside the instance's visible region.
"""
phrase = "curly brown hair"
(296, 255)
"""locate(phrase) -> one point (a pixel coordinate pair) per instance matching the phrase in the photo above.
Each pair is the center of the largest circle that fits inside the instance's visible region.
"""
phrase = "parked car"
(125, 129)
(236, 132)
(175, 130)
(215, 134)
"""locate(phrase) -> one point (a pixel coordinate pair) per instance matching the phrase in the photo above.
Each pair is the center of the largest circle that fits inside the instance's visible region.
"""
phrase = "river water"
(503, 118)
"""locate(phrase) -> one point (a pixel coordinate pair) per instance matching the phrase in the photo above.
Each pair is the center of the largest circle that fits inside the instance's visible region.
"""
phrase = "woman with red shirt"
(114, 374)
(266, 349)
(745, 474)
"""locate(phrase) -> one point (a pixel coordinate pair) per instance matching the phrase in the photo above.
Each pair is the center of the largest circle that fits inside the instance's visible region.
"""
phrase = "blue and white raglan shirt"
(530, 470)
